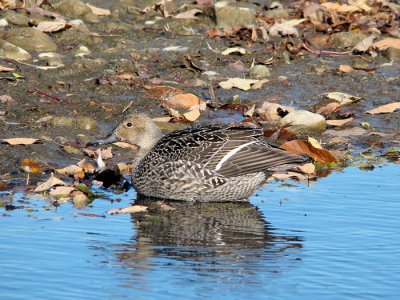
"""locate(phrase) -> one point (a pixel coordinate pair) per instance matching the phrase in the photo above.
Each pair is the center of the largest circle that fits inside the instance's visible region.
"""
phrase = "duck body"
(206, 164)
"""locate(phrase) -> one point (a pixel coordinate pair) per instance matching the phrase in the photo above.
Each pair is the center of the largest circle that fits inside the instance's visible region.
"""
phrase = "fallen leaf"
(52, 181)
(365, 44)
(345, 69)
(124, 145)
(193, 114)
(258, 85)
(99, 11)
(124, 76)
(21, 141)
(384, 109)
(62, 190)
(307, 168)
(314, 143)
(182, 101)
(70, 170)
(236, 50)
(31, 166)
(273, 112)
(286, 28)
(290, 175)
(162, 119)
(128, 210)
(189, 14)
(106, 153)
(386, 43)
(304, 147)
(7, 99)
(52, 26)
(339, 122)
(251, 111)
(240, 83)
(6, 69)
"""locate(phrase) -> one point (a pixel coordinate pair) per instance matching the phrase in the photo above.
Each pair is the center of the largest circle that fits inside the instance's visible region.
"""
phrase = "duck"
(214, 163)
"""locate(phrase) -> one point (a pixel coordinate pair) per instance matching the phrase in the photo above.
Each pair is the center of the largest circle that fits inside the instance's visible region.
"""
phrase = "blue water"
(338, 238)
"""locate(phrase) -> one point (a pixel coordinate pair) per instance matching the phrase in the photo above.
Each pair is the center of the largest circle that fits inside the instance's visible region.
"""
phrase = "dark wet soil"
(124, 44)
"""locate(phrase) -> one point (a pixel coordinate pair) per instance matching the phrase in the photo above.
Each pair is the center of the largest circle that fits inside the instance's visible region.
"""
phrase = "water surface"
(335, 239)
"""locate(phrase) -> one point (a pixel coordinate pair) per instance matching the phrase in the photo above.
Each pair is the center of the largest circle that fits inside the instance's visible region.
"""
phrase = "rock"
(3, 23)
(303, 122)
(229, 15)
(83, 123)
(81, 51)
(393, 53)
(53, 59)
(16, 18)
(347, 39)
(73, 8)
(11, 51)
(277, 13)
(259, 72)
(31, 39)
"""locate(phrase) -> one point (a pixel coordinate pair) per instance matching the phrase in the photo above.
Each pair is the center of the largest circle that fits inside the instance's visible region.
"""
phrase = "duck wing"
(227, 150)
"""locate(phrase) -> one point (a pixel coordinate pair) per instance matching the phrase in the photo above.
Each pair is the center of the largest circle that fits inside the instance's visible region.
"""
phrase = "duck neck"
(147, 144)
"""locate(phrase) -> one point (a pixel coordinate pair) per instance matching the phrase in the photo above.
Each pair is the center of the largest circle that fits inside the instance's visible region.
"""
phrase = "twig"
(48, 95)
(323, 52)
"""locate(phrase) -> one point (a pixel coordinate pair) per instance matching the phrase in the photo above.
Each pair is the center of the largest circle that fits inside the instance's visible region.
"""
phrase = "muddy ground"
(126, 43)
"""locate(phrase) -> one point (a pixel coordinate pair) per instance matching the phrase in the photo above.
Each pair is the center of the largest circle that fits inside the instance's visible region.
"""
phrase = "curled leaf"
(304, 147)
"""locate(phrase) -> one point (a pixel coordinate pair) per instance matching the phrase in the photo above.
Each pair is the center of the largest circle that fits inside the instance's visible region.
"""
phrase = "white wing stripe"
(230, 154)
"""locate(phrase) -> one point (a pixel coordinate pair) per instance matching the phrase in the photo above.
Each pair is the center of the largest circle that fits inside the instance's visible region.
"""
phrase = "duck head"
(136, 129)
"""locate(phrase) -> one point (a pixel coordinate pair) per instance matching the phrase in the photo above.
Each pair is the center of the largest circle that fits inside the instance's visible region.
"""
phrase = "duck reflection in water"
(214, 237)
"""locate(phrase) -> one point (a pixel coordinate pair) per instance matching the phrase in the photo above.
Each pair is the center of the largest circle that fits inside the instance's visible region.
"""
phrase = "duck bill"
(111, 138)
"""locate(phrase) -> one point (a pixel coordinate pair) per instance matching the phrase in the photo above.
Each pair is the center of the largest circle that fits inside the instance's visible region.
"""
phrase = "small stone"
(81, 51)
(73, 8)
(31, 39)
(303, 122)
(11, 51)
(16, 18)
(53, 59)
(3, 23)
(347, 39)
(393, 53)
(259, 72)
(228, 15)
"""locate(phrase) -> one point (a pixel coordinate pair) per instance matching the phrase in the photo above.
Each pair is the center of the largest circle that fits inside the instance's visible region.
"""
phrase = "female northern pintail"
(211, 163)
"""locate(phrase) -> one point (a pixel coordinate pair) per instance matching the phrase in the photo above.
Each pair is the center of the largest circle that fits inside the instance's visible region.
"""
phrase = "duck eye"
(129, 124)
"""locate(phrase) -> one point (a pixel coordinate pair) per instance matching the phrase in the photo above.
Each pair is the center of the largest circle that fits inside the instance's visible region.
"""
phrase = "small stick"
(48, 95)
(322, 52)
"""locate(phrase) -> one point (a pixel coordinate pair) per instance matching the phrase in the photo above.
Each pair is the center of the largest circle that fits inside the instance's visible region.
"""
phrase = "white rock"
(303, 122)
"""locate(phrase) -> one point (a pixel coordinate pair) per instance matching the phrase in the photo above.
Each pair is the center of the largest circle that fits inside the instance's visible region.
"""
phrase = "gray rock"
(393, 53)
(11, 51)
(72, 8)
(229, 15)
(53, 59)
(303, 122)
(16, 18)
(259, 72)
(31, 39)
(347, 39)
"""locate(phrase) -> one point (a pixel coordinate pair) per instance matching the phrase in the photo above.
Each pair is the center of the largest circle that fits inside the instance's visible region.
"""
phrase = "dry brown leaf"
(124, 76)
(162, 119)
(106, 153)
(31, 166)
(339, 122)
(193, 114)
(52, 181)
(99, 11)
(258, 85)
(240, 83)
(251, 111)
(162, 92)
(233, 50)
(314, 143)
(6, 69)
(308, 168)
(70, 170)
(61, 190)
(128, 210)
(384, 109)
(386, 43)
(286, 28)
(345, 69)
(21, 141)
(304, 147)
(272, 111)
(182, 101)
(52, 26)
(365, 44)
